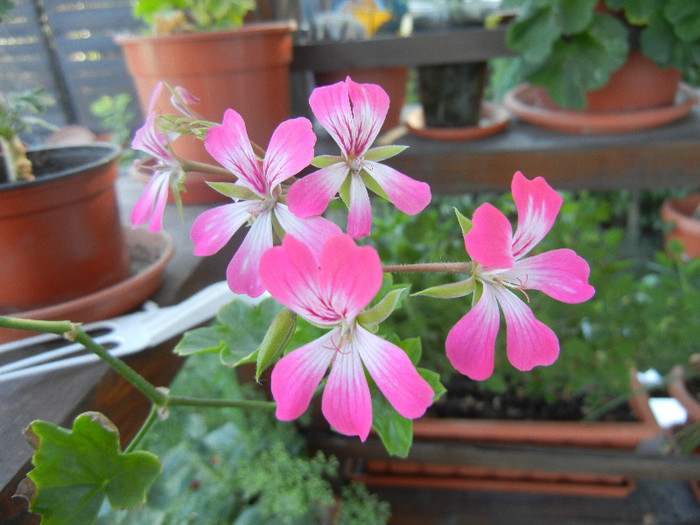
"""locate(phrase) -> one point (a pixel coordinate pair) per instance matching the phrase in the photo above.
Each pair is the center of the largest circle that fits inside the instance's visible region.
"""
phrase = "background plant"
(176, 16)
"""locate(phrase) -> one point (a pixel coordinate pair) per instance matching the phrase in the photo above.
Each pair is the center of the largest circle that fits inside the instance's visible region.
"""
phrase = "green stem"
(152, 416)
(464, 267)
(221, 403)
(192, 165)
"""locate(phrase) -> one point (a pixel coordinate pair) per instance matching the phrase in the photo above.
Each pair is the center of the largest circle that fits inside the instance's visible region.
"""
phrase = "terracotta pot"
(60, 235)
(246, 69)
(593, 435)
(686, 226)
(392, 79)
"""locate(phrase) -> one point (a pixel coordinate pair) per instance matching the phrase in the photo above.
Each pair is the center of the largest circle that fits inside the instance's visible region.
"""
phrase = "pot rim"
(111, 152)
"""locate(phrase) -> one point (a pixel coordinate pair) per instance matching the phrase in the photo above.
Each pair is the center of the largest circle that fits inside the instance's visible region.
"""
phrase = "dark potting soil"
(465, 398)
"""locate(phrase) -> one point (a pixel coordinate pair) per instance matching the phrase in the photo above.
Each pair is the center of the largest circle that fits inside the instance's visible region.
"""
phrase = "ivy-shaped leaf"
(74, 471)
(394, 430)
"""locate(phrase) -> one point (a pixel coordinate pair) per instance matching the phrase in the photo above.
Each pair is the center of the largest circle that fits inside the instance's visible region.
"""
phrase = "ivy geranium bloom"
(501, 265)
(256, 198)
(332, 296)
(166, 172)
(353, 114)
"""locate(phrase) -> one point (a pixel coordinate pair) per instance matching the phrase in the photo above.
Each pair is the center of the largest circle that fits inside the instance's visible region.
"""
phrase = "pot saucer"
(494, 118)
(148, 253)
(527, 104)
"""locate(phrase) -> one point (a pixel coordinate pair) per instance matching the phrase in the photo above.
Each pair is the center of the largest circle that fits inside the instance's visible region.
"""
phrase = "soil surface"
(467, 399)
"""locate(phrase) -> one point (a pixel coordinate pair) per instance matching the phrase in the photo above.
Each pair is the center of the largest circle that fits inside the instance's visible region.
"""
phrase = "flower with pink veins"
(332, 295)
(166, 171)
(256, 198)
(353, 114)
(500, 266)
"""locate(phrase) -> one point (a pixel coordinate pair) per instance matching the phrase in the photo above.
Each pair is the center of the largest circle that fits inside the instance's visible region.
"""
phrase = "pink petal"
(529, 342)
(490, 239)
(370, 104)
(312, 231)
(230, 146)
(214, 228)
(151, 204)
(154, 96)
(471, 342)
(242, 273)
(296, 376)
(408, 195)
(538, 205)
(561, 274)
(394, 374)
(331, 106)
(311, 194)
(291, 149)
(291, 275)
(346, 402)
(360, 215)
(150, 140)
(350, 276)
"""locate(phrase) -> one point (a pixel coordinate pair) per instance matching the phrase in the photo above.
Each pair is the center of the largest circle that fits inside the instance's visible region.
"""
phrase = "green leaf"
(394, 430)
(534, 34)
(685, 18)
(575, 17)
(449, 290)
(433, 379)
(276, 339)
(382, 309)
(464, 223)
(237, 332)
(234, 191)
(323, 161)
(381, 153)
(74, 471)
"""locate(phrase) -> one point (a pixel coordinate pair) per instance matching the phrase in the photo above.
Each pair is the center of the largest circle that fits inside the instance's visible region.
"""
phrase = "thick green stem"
(152, 417)
(221, 403)
(464, 267)
(192, 165)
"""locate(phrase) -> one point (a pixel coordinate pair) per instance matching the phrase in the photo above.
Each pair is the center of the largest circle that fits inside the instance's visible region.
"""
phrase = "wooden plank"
(467, 45)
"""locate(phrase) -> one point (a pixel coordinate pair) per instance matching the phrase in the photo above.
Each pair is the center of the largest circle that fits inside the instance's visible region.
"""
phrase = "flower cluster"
(318, 272)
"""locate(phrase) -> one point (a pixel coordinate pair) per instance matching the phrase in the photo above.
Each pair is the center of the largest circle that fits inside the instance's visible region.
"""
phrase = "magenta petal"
(350, 276)
(408, 195)
(242, 273)
(230, 146)
(346, 402)
(530, 342)
(151, 204)
(370, 104)
(471, 342)
(360, 215)
(312, 231)
(538, 205)
(291, 149)
(331, 106)
(291, 275)
(561, 274)
(296, 376)
(394, 374)
(212, 229)
(489, 242)
(311, 194)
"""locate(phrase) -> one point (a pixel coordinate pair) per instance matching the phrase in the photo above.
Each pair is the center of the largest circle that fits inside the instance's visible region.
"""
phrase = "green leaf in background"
(395, 431)
(237, 333)
(685, 16)
(535, 35)
(433, 379)
(574, 17)
(74, 471)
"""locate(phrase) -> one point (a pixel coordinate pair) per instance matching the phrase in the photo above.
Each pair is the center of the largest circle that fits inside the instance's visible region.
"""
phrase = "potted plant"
(595, 54)
(60, 232)
(206, 48)
(683, 217)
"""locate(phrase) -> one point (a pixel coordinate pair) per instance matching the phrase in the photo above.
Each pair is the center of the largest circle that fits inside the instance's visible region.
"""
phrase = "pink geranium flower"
(256, 197)
(353, 114)
(332, 296)
(166, 172)
(499, 266)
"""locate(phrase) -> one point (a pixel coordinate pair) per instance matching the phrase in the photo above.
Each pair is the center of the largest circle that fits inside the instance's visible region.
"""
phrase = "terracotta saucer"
(494, 118)
(526, 103)
(149, 253)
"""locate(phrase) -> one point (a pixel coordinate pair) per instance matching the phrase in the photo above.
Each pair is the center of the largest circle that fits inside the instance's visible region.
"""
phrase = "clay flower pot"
(60, 235)
(682, 213)
(246, 69)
